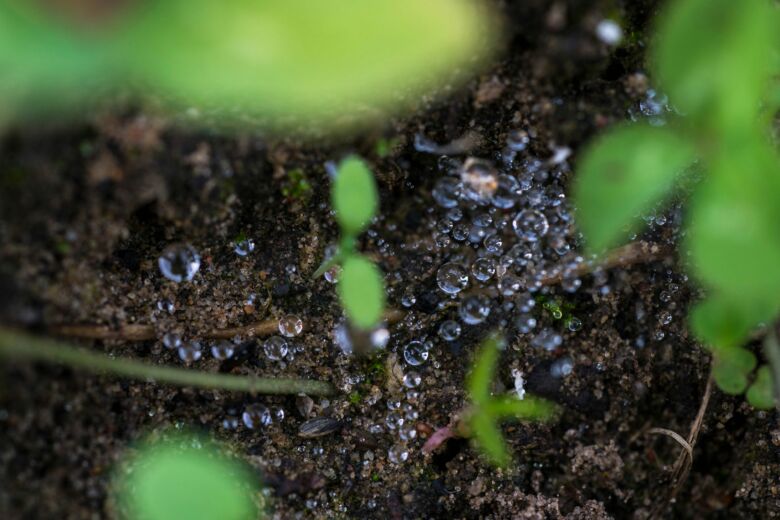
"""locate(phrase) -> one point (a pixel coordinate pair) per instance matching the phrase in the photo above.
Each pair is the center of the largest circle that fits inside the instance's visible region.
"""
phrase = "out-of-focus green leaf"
(528, 408)
(362, 291)
(305, 61)
(46, 67)
(490, 439)
(725, 322)
(760, 394)
(622, 174)
(731, 368)
(481, 376)
(354, 196)
(713, 57)
(175, 479)
(733, 236)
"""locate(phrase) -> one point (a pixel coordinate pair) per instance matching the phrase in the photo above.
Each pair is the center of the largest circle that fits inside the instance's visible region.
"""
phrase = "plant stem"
(24, 346)
(772, 351)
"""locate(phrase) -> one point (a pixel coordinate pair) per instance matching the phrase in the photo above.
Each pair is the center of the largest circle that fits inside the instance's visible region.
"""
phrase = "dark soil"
(85, 211)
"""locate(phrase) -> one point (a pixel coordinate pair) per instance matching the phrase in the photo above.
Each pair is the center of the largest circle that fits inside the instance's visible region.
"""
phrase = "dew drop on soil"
(398, 454)
(290, 326)
(447, 192)
(166, 305)
(256, 415)
(452, 278)
(574, 324)
(171, 340)
(474, 309)
(449, 330)
(179, 262)
(530, 225)
(480, 180)
(222, 350)
(483, 268)
(275, 348)
(415, 353)
(525, 323)
(547, 339)
(562, 367)
(191, 351)
(412, 379)
(244, 247)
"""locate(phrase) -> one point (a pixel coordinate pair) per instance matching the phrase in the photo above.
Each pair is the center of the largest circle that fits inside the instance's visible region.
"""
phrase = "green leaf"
(175, 479)
(529, 408)
(354, 196)
(760, 394)
(489, 439)
(713, 57)
(304, 62)
(731, 368)
(362, 291)
(622, 174)
(481, 376)
(724, 322)
(733, 235)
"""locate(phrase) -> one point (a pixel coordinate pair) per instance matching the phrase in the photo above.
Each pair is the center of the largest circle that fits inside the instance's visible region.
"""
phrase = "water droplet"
(525, 323)
(574, 324)
(256, 415)
(525, 302)
(517, 140)
(244, 247)
(408, 299)
(166, 305)
(452, 278)
(407, 432)
(519, 383)
(483, 268)
(190, 352)
(509, 284)
(480, 180)
(380, 336)
(412, 379)
(609, 32)
(449, 330)
(222, 350)
(398, 454)
(447, 192)
(171, 340)
(474, 309)
(530, 225)
(290, 326)
(665, 318)
(179, 262)
(275, 348)
(415, 353)
(493, 244)
(547, 339)
(507, 192)
(562, 367)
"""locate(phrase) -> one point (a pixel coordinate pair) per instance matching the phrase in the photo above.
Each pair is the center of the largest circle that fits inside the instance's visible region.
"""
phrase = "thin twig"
(677, 437)
(24, 346)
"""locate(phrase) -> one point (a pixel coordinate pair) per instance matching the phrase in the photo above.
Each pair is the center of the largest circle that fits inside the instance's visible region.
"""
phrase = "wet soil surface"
(86, 211)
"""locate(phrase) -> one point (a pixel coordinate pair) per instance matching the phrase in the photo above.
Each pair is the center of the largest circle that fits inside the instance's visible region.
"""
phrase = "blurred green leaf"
(725, 322)
(302, 62)
(528, 408)
(733, 234)
(731, 368)
(624, 173)
(354, 196)
(713, 57)
(490, 439)
(185, 477)
(481, 376)
(362, 291)
(760, 394)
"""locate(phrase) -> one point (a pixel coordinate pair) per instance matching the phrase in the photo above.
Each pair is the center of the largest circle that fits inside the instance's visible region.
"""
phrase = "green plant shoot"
(715, 58)
(355, 200)
(185, 477)
(487, 410)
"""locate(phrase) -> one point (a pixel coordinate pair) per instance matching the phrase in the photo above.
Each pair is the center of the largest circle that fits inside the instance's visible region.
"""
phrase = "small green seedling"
(185, 477)
(487, 410)
(716, 59)
(361, 288)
